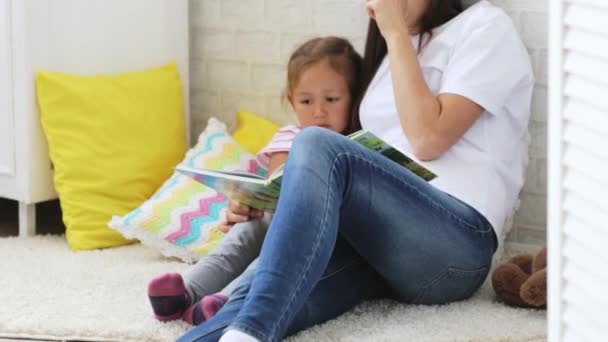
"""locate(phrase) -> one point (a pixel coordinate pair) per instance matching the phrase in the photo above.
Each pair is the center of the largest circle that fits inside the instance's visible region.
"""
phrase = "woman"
(448, 86)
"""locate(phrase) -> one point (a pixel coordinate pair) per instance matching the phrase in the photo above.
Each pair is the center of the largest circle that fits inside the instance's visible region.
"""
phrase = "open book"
(263, 193)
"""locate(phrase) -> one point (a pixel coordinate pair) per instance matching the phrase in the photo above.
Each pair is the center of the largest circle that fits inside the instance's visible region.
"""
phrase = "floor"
(48, 217)
(13, 340)
(26, 340)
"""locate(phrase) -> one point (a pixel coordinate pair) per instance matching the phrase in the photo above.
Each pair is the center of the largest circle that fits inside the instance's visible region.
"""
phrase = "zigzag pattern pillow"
(181, 218)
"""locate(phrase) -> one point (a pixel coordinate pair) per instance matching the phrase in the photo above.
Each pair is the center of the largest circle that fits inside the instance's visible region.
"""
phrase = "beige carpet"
(49, 292)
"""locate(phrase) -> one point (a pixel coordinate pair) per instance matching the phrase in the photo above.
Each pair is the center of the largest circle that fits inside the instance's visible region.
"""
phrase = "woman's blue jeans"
(352, 225)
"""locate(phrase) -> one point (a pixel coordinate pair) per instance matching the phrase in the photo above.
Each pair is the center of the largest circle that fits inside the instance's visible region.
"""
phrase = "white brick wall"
(530, 17)
(239, 49)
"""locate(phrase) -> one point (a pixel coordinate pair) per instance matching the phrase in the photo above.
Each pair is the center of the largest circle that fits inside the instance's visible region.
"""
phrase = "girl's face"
(321, 98)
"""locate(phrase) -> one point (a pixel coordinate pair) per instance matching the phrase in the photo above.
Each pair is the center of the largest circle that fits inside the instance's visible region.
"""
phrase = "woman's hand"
(237, 213)
(390, 15)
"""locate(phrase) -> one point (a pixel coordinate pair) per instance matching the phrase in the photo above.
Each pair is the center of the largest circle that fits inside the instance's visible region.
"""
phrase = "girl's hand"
(238, 213)
(390, 15)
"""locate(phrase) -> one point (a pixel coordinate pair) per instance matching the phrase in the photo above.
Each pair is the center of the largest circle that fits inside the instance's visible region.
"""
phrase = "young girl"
(322, 78)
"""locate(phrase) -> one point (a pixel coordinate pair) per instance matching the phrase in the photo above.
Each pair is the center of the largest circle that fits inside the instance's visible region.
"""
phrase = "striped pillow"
(181, 218)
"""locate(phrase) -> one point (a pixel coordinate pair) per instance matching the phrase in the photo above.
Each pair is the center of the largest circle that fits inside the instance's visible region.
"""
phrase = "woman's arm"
(431, 123)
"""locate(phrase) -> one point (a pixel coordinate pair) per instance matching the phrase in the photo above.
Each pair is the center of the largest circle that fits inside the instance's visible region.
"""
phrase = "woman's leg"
(430, 247)
(347, 281)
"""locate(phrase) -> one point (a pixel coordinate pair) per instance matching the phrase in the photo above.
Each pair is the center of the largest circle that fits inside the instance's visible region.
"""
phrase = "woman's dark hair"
(437, 13)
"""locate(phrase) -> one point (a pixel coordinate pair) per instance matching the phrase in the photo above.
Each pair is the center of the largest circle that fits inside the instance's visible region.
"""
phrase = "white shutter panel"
(578, 171)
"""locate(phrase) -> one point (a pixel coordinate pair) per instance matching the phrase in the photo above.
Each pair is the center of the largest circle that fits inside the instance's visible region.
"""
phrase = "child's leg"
(211, 304)
(168, 296)
(172, 296)
(225, 263)
(204, 309)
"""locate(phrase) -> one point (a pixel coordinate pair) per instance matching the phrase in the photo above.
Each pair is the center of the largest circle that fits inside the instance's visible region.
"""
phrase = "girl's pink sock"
(204, 309)
(168, 296)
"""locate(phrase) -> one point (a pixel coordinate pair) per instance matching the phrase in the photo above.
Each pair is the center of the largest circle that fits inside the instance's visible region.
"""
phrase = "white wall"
(239, 49)
(531, 19)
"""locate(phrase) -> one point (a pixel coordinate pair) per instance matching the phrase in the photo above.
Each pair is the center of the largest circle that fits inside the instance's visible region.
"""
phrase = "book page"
(241, 174)
(373, 142)
(251, 191)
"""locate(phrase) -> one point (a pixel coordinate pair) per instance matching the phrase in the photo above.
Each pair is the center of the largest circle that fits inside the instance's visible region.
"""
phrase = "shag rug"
(49, 292)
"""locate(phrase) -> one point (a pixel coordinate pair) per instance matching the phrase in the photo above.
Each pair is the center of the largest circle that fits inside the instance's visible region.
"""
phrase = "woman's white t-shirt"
(478, 55)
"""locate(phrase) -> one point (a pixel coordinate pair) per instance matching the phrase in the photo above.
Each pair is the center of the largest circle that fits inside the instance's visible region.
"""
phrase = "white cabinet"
(84, 37)
(7, 158)
(578, 171)
(16, 164)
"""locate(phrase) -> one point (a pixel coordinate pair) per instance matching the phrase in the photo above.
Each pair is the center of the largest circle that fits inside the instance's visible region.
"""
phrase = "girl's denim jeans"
(352, 225)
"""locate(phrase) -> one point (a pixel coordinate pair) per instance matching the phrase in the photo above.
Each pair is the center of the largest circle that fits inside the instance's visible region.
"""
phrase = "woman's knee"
(312, 144)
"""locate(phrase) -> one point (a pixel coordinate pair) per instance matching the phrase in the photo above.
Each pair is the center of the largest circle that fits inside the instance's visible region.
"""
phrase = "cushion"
(181, 218)
(253, 131)
(113, 139)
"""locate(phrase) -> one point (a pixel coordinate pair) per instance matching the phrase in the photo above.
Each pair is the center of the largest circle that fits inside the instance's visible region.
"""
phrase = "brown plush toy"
(522, 281)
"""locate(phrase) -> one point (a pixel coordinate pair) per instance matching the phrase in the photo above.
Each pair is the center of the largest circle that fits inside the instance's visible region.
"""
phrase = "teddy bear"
(522, 280)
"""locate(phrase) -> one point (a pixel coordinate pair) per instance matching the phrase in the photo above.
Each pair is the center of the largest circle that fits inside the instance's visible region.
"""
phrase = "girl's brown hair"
(437, 13)
(340, 54)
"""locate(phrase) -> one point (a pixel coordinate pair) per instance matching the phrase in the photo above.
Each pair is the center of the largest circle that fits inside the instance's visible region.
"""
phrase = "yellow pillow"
(253, 131)
(113, 140)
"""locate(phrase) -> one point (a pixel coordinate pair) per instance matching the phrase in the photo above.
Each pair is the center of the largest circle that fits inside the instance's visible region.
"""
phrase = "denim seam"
(441, 275)
(223, 326)
(436, 204)
(315, 250)
(337, 271)
(430, 283)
